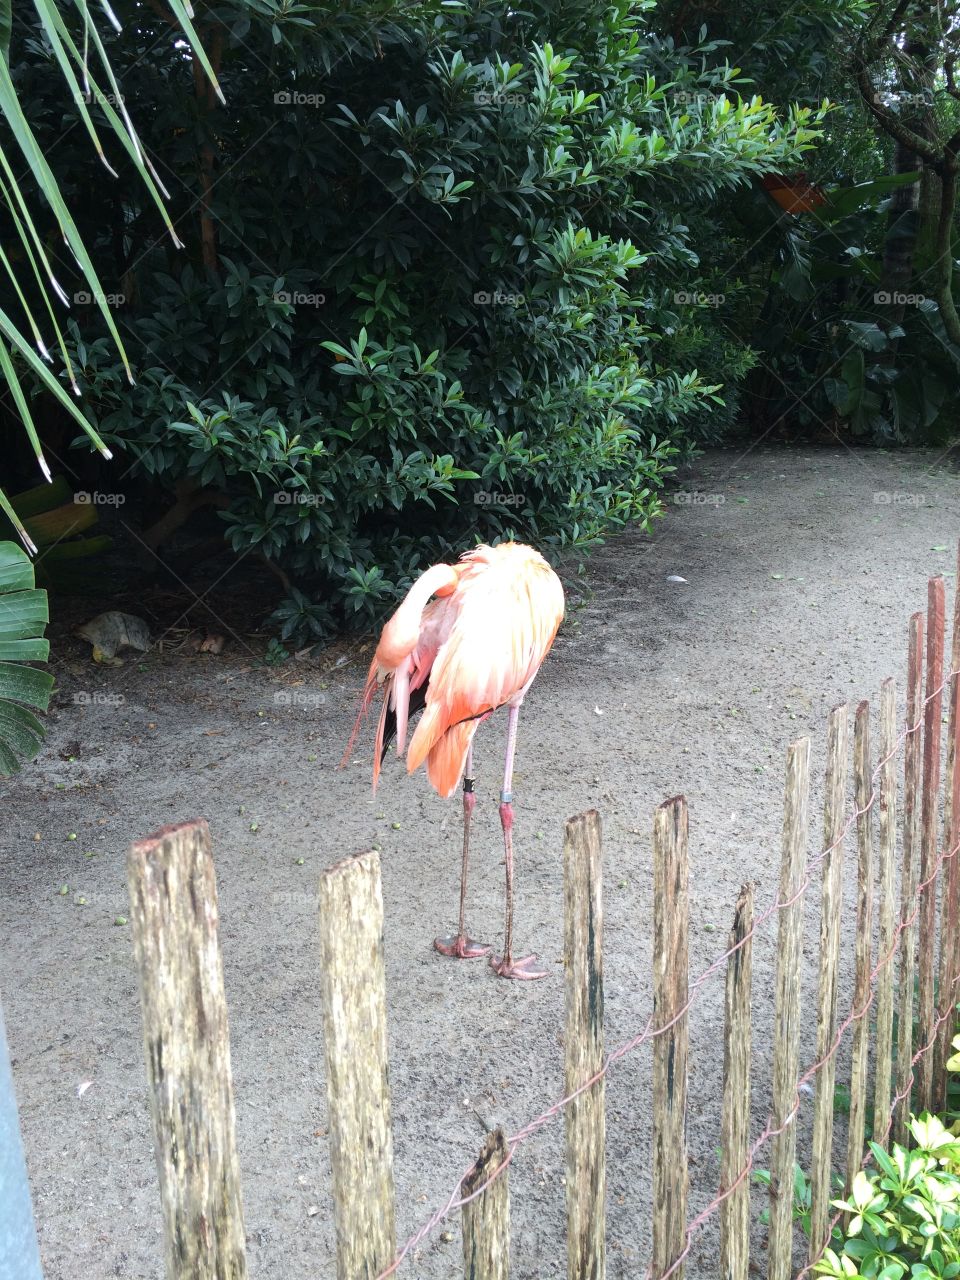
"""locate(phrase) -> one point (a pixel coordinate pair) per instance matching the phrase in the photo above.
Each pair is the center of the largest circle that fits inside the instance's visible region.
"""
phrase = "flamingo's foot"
(506, 967)
(461, 947)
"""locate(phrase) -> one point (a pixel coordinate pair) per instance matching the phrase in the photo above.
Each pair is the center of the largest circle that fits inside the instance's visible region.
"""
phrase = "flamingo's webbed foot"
(461, 947)
(506, 967)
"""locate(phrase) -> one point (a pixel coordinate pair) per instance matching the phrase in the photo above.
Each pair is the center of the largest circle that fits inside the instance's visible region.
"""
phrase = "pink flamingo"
(476, 646)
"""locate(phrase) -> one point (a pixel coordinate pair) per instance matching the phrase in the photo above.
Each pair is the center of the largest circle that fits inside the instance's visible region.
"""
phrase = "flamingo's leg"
(460, 946)
(505, 965)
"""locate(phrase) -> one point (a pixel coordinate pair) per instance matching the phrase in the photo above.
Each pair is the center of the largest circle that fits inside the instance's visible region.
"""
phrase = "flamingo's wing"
(434, 627)
(503, 624)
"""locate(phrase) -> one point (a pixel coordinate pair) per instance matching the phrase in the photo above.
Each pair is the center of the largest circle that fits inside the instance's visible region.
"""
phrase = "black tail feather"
(418, 700)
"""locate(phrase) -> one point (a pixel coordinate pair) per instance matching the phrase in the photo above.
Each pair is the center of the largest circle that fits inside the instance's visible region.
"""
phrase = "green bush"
(906, 1213)
(447, 286)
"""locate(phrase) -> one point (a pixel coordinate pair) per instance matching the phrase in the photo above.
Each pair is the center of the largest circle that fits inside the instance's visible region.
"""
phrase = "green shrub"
(449, 287)
(905, 1214)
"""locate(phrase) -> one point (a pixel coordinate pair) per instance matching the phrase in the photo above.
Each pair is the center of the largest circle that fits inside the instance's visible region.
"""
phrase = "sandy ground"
(799, 584)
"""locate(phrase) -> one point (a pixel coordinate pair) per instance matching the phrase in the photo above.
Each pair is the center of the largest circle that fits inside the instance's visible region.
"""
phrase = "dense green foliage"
(905, 1213)
(447, 286)
(844, 310)
(454, 270)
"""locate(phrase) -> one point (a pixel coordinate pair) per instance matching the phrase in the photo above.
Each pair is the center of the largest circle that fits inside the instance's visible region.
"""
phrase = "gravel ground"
(801, 566)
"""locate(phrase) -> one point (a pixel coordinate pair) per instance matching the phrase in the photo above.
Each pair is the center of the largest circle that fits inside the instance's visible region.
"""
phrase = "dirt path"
(799, 586)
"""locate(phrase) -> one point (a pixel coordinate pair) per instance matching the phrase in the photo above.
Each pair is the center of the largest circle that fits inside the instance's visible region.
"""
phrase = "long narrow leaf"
(17, 198)
(10, 105)
(43, 291)
(128, 137)
(56, 44)
(13, 382)
(17, 523)
(49, 380)
(198, 50)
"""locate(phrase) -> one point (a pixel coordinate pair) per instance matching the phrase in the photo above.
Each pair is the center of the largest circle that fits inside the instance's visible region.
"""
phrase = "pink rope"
(455, 1200)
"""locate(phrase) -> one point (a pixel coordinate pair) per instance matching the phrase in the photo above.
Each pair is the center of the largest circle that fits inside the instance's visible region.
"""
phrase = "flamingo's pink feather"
(480, 643)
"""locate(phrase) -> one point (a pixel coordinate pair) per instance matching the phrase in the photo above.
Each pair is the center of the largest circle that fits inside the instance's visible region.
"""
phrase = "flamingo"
(475, 647)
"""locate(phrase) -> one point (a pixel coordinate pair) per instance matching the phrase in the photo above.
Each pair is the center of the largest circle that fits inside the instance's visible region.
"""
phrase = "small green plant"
(953, 1083)
(841, 1100)
(802, 1196)
(276, 655)
(905, 1214)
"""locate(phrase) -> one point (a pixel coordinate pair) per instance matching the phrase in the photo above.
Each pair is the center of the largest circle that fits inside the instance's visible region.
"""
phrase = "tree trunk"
(904, 219)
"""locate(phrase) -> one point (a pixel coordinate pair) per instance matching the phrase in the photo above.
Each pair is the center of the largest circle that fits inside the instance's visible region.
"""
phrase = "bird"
(467, 639)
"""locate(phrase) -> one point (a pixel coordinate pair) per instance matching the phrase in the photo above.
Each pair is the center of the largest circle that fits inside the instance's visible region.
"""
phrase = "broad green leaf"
(23, 615)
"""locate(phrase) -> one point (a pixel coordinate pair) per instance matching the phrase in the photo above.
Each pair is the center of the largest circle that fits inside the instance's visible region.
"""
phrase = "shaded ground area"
(801, 570)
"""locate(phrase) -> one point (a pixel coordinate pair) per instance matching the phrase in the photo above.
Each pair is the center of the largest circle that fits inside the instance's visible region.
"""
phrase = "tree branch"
(892, 124)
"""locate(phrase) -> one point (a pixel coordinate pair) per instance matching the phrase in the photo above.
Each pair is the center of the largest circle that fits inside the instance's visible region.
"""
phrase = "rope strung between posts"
(455, 1200)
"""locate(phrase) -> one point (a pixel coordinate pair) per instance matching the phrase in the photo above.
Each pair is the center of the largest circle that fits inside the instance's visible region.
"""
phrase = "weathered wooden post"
(886, 939)
(353, 992)
(735, 1131)
(831, 903)
(859, 1055)
(909, 875)
(786, 1051)
(949, 970)
(929, 828)
(671, 910)
(486, 1219)
(585, 1119)
(173, 898)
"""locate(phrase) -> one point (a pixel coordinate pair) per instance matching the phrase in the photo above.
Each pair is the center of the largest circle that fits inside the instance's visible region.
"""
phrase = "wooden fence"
(911, 912)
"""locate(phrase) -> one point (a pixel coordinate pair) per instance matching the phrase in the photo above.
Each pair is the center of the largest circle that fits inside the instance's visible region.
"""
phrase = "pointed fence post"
(786, 1045)
(735, 1132)
(949, 970)
(929, 831)
(354, 999)
(859, 1055)
(585, 1118)
(909, 876)
(671, 912)
(173, 911)
(886, 941)
(486, 1220)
